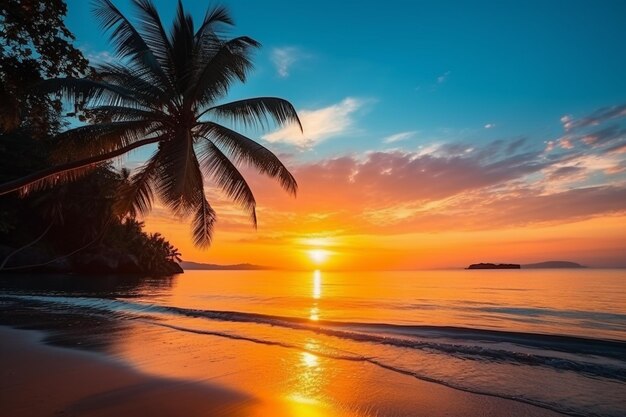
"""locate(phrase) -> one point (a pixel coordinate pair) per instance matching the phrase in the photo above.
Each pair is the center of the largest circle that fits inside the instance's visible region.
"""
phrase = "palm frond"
(214, 17)
(136, 196)
(58, 178)
(207, 38)
(179, 181)
(245, 150)
(55, 171)
(129, 114)
(79, 90)
(154, 34)
(227, 177)
(255, 111)
(126, 39)
(217, 71)
(182, 40)
(99, 139)
(140, 84)
(203, 223)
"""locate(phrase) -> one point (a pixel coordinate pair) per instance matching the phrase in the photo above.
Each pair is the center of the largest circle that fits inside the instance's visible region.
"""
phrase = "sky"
(436, 134)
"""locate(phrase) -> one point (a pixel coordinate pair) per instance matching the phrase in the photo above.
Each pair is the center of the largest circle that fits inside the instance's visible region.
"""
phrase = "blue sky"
(423, 72)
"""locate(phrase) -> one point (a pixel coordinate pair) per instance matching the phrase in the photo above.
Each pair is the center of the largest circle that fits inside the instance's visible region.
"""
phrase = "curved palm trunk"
(18, 250)
(67, 255)
(15, 185)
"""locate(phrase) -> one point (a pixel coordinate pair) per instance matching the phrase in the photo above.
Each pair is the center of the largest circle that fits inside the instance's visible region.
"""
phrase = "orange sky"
(369, 223)
(441, 203)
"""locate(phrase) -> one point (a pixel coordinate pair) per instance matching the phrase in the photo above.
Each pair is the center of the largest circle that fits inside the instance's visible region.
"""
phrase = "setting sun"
(318, 256)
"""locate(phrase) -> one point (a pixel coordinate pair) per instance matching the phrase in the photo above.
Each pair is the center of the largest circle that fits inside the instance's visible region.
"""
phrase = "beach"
(43, 380)
(200, 344)
(262, 210)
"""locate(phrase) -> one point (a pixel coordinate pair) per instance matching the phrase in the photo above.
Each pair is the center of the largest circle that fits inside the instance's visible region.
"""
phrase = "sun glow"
(318, 256)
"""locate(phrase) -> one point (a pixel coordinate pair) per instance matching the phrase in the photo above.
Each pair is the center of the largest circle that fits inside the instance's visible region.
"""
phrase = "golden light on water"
(309, 359)
(317, 284)
(316, 294)
(314, 314)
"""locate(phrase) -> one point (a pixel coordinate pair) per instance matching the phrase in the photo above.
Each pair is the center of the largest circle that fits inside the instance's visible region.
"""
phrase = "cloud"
(319, 124)
(568, 122)
(598, 117)
(100, 57)
(284, 58)
(456, 186)
(443, 77)
(490, 125)
(399, 136)
(603, 136)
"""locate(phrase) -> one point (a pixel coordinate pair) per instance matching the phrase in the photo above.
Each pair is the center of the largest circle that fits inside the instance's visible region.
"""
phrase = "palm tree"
(166, 89)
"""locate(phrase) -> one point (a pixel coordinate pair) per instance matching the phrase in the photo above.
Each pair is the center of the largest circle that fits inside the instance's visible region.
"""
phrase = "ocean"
(552, 338)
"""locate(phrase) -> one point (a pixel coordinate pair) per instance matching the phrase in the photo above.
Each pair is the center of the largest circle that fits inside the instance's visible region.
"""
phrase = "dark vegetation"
(168, 88)
(493, 266)
(77, 226)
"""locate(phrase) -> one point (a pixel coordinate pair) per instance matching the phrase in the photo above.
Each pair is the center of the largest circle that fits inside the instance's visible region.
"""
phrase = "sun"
(318, 256)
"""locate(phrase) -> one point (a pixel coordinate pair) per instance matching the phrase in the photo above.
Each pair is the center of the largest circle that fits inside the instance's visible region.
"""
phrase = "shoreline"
(39, 379)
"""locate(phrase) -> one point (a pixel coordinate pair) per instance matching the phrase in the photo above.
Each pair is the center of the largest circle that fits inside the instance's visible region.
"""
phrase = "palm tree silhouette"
(166, 89)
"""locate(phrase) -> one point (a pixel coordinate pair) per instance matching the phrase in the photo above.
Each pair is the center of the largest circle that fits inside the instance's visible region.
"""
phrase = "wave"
(448, 340)
(598, 359)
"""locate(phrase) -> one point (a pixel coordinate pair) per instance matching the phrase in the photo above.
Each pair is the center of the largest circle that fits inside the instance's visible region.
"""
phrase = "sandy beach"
(41, 380)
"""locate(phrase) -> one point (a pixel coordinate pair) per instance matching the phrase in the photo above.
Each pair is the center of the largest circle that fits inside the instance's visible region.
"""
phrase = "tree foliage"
(75, 218)
(35, 45)
(168, 88)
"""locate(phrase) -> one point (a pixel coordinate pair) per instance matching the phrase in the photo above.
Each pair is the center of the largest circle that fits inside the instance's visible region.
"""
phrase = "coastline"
(38, 379)
(42, 380)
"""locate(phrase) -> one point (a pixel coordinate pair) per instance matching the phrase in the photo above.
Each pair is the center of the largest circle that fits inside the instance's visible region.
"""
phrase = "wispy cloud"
(443, 77)
(319, 124)
(284, 58)
(594, 119)
(490, 126)
(456, 186)
(399, 136)
(100, 57)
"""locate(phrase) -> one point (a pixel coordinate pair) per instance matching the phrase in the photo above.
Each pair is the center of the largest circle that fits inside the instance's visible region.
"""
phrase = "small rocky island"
(540, 265)
(493, 266)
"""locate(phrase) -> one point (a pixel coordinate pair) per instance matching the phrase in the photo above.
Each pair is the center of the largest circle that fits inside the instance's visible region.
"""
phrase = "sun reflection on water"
(314, 313)
(309, 381)
(309, 360)
(317, 284)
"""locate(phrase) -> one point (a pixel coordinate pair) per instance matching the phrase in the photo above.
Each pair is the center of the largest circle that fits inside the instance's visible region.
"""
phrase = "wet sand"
(40, 380)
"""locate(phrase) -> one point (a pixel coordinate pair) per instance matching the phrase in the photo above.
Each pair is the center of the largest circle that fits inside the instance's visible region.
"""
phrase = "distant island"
(539, 265)
(553, 264)
(237, 267)
(493, 266)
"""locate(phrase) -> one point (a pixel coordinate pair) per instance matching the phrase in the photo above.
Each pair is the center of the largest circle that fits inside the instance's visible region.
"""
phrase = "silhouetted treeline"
(74, 226)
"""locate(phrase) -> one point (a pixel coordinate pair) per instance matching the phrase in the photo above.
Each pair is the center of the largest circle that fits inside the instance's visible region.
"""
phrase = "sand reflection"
(306, 396)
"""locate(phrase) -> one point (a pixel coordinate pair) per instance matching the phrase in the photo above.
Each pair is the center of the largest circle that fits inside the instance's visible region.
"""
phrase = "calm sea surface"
(552, 338)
